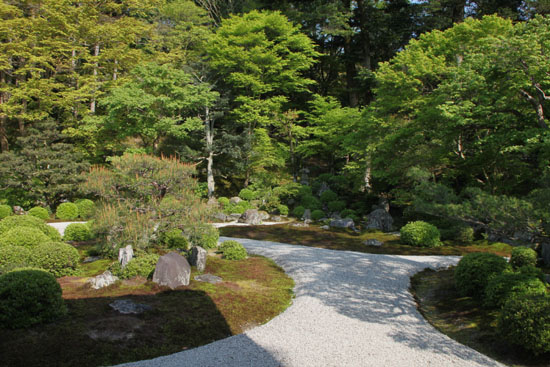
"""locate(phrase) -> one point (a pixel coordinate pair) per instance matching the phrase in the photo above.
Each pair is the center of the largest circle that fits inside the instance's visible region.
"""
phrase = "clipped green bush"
(28, 297)
(473, 272)
(174, 239)
(317, 214)
(336, 206)
(5, 211)
(311, 202)
(523, 256)
(67, 211)
(23, 236)
(86, 208)
(141, 265)
(524, 320)
(223, 201)
(247, 194)
(299, 211)
(77, 232)
(233, 250)
(328, 196)
(12, 257)
(39, 212)
(502, 285)
(203, 235)
(57, 258)
(420, 234)
(282, 209)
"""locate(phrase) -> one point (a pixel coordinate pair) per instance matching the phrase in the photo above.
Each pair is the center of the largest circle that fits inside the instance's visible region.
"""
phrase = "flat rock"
(172, 270)
(102, 280)
(126, 307)
(208, 278)
(373, 242)
(198, 257)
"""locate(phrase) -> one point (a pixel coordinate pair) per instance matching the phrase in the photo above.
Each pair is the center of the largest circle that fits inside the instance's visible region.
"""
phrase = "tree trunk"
(209, 133)
(96, 54)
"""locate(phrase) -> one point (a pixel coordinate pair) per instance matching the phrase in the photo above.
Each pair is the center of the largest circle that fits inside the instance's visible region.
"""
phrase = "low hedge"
(77, 232)
(233, 250)
(420, 234)
(523, 256)
(23, 236)
(67, 211)
(39, 212)
(28, 297)
(58, 258)
(473, 272)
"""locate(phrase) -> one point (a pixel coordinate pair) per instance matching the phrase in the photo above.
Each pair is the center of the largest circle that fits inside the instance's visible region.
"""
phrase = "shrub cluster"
(29, 297)
(23, 236)
(77, 232)
(39, 212)
(5, 211)
(473, 272)
(233, 250)
(67, 211)
(141, 265)
(523, 256)
(174, 239)
(86, 208)
(420, 234)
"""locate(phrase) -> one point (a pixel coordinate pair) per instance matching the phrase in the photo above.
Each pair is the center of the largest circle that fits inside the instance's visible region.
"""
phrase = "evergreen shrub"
(473, 272)
(67, 211)
(39, 212)
(77, 232)
(420, 234)
(523, 256)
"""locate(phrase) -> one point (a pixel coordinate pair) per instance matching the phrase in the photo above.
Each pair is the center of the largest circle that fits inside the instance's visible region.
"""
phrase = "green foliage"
(23, 236)
(77, 232)
(5, 211)
(317, 214)
(328, 196)
(473, 272)
(420, 234)
(282, 209)
(174, 239)
(223, 201)
(142, 265)
(336, 206)
(299, 211)
(501, 286)
(29, 297)
(233, 250)
(204, 235)
(86, 208)
(58, 258)
(525, 321)
(39, 212)
(523, 256)
(12, 257)
(67, 211)
(310, 202)
(247, 194)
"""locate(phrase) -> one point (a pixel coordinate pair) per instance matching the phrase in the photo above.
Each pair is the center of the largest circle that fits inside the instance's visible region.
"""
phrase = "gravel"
(351, 309)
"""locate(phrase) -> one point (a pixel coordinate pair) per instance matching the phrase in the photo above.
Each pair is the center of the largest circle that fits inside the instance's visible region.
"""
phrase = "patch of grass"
(314, 236)
(463, 319)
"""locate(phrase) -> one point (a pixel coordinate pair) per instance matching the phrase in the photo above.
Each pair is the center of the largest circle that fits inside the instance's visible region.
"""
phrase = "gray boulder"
(125, 307)
(252, 217)
(102, 280)
(235, 200)
(172, 270)
(380, 220)
(125, 255)
(208, 278)
(373, 242)
(198, 257)
(545, 253)
(342, 223)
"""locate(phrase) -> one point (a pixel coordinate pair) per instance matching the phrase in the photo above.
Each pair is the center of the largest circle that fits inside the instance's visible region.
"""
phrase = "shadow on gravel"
(371, 288)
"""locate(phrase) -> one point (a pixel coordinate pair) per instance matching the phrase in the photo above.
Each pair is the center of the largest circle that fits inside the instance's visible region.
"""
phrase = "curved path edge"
(350, 309)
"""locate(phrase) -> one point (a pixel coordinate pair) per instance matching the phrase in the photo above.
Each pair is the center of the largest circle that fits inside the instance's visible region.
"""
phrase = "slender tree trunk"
(209, 132)
(96, 54)
(4, 145)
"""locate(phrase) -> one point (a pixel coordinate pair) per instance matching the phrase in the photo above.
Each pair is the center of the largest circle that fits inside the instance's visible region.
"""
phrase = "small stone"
(103, 280)
(208, 278)
(125, 255)
(125, 306)
(172, 270)
(198, 257)
(373, 242)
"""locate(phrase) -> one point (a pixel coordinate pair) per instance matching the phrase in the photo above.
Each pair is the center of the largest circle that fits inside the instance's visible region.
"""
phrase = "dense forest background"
(438, 106)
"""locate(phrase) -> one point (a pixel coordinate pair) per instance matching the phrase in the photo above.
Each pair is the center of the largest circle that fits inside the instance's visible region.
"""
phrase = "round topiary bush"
(175, 239)
(420, 234)
(77, 232)
(523, 256)
(336, 206)
(58, 258)
(39, 212)
(282, 209)
(142, 265)
(502, 285)
(67, 211)
(317, 214)
(223, 201)
(247, 194)
(5, 211)
(233, 250)
(525, 321)
(328, 196)
(29, 297)
(203, 235)
(86, 208)
(299, 211)
(474, 270)
(12, 257)
(23, 236)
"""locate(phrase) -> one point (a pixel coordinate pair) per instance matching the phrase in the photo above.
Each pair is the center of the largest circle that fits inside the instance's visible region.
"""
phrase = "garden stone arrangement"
(351, 309)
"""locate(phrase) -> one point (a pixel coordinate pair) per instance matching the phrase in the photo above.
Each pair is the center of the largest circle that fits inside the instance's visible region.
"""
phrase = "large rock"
(102, 280)
(198, 257)
(545, 253)
(172, 270)
(125, 255)
(252, 217)
(235, 200)
(380, 220)
(343, 223)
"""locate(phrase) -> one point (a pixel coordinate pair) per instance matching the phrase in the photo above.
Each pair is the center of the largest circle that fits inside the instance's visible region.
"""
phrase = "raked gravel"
(351, 309)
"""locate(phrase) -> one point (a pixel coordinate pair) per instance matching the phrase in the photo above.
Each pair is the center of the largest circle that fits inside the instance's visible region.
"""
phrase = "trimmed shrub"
(223, 201)
(525, 321)
(502, 285)
(77, 232)
(336, 206)
(203, 235)
(328, 196)
(58, 258)
(523, 256)
(142, 265)
(247, 194)
(299, 211)
(310, 202)
(12, 257)
(175, 239)
(233, 250)
(420, 234)
(5, 211)
(282, 209)
(28, 297)
(39, 212)
(23, 236)
(474, 270)
(317, 214)
(67, 211)
(86, 208)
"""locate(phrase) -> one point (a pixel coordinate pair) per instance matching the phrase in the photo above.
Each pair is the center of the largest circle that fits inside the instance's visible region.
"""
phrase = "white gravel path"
(351, 309)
